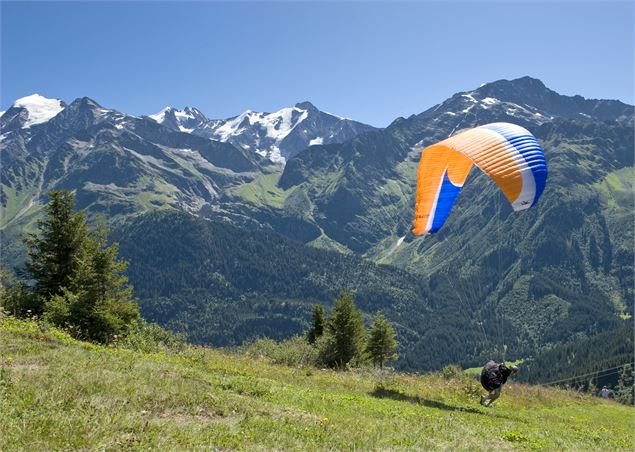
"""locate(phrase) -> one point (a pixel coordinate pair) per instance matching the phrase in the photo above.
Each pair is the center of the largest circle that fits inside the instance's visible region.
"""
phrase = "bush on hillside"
(294, 352)
(625, 387)
(15, 298)
(452, 371)
(150, 337)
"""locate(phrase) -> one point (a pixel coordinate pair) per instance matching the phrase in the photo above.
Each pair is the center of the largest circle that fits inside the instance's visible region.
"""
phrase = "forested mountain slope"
(599, 360)
(222, 285)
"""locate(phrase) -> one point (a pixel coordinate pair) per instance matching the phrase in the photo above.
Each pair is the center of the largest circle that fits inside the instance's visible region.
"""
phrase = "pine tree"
(345, 333)
(79, 281)
(381, 341)
(105, 307)
(106, 280)
(317, 324)
(54, 255)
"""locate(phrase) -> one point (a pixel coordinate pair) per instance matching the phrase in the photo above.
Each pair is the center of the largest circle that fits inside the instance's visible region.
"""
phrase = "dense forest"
(221, 285)
(597, 360)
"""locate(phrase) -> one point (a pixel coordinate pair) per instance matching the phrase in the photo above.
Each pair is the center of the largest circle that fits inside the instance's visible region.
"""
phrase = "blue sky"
(369, 61)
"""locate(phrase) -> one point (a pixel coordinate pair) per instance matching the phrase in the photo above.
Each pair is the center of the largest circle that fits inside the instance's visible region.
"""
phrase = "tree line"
(588, 364)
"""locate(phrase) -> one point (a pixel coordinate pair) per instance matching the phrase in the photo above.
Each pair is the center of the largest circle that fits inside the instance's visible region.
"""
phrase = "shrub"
(15, 299)
(293, 352)
(150, 337)
(326, 350)
(451, 371)
(57, 309)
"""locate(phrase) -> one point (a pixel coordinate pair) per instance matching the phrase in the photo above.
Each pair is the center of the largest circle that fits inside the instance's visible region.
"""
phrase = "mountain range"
(277, 136)
(341, 195)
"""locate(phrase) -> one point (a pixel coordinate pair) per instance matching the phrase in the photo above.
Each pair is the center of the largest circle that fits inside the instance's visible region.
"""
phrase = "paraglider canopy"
(509, 154)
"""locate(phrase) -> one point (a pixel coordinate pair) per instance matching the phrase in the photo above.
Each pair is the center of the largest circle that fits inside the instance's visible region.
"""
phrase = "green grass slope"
(57, 393)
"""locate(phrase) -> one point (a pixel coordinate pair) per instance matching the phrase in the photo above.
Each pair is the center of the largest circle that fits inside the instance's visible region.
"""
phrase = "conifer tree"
(106, 279)
(381, 344)
(55, 252)
(79, 280)
(346, 333)
(105, 307)
(317, 324)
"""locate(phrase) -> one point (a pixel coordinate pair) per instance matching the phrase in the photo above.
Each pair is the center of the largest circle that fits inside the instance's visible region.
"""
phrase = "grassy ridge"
(57, 393)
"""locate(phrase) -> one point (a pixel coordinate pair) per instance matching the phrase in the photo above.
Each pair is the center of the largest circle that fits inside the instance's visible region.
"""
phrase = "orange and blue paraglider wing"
(507, 153)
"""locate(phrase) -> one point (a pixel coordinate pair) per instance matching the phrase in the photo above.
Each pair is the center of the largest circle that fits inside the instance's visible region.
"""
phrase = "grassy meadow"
(58, 393)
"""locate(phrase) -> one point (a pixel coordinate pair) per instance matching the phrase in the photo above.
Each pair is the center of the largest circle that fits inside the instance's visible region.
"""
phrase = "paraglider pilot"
(493, 377)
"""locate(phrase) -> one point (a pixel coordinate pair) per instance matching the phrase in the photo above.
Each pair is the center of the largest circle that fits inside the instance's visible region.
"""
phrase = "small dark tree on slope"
(381, 344)
(623, 392)
(317, 324)
(345, 334)
(79, 281)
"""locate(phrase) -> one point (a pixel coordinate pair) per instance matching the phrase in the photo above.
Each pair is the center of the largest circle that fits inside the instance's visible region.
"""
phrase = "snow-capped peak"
(276, 135)
(160, 116)
(186, 120)
(182, 115)
(39, 108)
(277, 124)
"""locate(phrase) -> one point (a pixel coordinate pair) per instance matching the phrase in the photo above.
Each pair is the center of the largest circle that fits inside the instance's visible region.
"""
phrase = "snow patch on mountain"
(281, 123)
(160, 117)
(273, 154)
(233, 127)
(277, 124)
(490, 101)
(183, 115)
(314, 141)
(39, 108)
